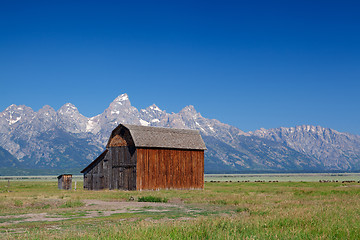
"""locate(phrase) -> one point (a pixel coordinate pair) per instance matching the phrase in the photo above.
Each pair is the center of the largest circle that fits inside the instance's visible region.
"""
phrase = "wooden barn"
(148, 158)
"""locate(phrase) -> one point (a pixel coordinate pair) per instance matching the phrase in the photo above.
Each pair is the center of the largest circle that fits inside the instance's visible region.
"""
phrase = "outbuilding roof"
(159, 137)
(64, 175)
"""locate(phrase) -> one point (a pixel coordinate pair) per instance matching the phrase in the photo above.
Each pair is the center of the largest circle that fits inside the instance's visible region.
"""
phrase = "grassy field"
(281, 177)
(285, 177)
(223, 210)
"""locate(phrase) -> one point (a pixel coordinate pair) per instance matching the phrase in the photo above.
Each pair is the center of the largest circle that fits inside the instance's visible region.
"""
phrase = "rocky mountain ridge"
(65, 139)
(333, 149)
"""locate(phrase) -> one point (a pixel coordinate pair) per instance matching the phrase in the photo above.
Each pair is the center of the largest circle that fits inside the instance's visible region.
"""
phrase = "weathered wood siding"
(169, 169)
(65, 181)
(122, 174)
(116, 170)
(97, 178)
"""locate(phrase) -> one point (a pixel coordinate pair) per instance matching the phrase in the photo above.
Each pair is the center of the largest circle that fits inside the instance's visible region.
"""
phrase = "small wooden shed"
(65, 181)
(148, 158)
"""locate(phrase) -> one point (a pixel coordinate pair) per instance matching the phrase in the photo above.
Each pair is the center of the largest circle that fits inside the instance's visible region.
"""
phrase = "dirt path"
(98, 204)
(92, 208)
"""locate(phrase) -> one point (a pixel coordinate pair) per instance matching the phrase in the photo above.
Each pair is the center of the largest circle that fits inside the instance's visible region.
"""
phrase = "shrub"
(152, 199)
(242, 209)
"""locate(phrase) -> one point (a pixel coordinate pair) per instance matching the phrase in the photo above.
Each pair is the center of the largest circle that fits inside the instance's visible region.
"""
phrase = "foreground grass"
(282, 210)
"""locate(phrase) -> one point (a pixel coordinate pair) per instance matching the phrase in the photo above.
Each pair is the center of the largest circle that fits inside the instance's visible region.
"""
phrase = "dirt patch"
(31, 217)
(177, 201)
(93, 208)
(92, 204)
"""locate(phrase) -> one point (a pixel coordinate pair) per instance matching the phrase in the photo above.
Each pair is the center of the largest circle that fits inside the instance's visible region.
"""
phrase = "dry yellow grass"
(287, 210)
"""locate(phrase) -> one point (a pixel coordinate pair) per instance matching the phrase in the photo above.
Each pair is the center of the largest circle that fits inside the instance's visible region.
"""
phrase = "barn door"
(130, 178)
(123, 168)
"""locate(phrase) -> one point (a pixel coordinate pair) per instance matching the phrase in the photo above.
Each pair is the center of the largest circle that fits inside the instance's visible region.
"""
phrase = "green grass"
(225, 210)
(6, 220)
(284, 177)
(69, 214)
(152, 199)
(281, 177)
(72, 204)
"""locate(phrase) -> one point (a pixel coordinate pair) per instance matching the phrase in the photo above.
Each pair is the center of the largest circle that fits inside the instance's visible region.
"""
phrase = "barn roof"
(158, 137)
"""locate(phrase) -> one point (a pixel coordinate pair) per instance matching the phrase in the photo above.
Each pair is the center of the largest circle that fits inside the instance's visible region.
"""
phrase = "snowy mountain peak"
(154, 108)
(189, 108)
(190, 112)
(11, 107)
(47, 110)
(120, 102)
(122, 98)
(68, 108)
(310, 128)
(69, 105)
(16, 114)
(15, 108)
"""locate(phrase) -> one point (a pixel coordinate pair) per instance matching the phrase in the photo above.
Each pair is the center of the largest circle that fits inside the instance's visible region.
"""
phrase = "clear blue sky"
(250, 64)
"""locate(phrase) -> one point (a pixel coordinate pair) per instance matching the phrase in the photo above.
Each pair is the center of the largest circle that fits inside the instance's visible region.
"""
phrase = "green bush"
(152, 199)
(242, 209)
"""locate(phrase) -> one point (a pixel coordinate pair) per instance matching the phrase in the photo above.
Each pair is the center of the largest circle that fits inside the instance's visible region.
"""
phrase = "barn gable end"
(140, 158)
(120, 136)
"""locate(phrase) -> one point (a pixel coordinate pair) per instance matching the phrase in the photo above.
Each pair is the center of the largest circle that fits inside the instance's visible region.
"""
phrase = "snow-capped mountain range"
(65, 139)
